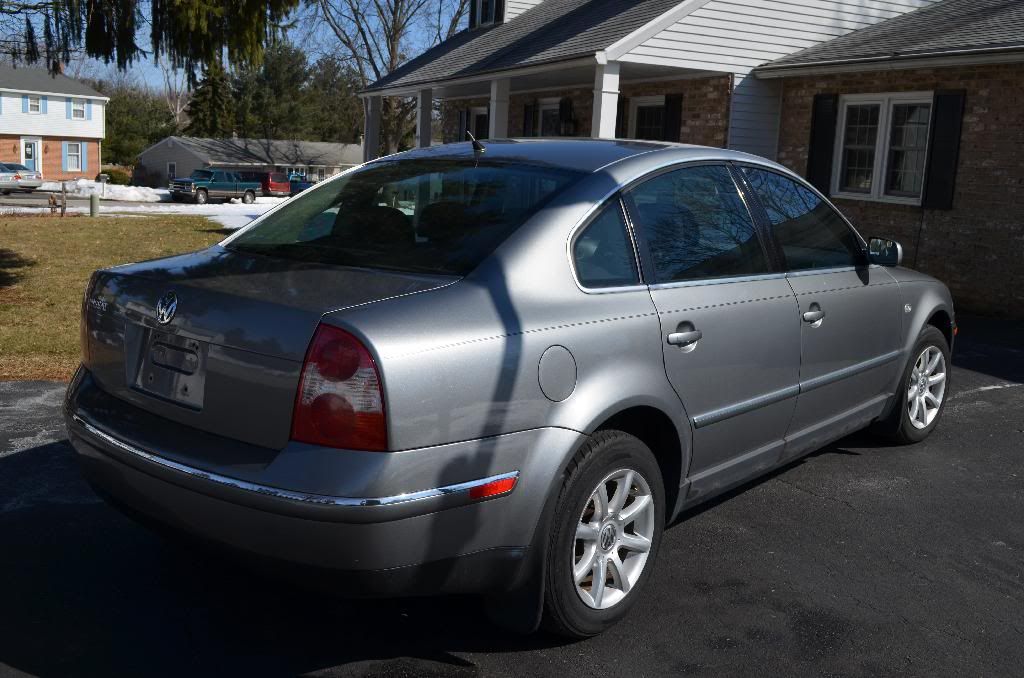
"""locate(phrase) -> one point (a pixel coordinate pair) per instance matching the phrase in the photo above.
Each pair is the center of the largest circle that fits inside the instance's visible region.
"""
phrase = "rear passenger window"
(811, 233)
(696, 225)
(603, 252)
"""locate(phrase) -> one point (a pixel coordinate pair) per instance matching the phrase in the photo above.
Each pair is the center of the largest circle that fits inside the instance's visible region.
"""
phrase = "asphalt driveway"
(859, 560)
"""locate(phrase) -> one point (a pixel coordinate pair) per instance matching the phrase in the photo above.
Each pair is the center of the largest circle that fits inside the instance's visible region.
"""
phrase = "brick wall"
(977, 248)
(705, 108)
(10, 151)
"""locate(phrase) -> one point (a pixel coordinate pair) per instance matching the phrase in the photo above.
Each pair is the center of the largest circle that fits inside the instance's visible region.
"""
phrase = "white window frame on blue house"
(78, 109)
(35, 104)
(77, 156)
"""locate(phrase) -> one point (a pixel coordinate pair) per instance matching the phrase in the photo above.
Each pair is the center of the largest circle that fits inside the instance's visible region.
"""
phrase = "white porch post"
(424, 115)
(606, 100)
(499, 109)
(371, 128)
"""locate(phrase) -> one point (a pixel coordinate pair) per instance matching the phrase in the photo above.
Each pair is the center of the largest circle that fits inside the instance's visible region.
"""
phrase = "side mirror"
(885, 252)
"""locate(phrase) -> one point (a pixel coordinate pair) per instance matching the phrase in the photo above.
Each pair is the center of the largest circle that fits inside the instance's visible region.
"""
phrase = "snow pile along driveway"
(83, 188)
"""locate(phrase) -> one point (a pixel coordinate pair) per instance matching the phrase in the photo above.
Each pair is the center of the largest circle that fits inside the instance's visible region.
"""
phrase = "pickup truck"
(204, 185)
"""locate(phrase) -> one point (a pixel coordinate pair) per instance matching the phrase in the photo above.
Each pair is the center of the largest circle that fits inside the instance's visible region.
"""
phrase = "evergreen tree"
(272, 101)
(211, 109)
(334, 112)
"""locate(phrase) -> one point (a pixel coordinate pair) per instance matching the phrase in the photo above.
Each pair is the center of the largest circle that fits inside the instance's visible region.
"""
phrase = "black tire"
(248, 198)
(565, 612)
(202, 197)
(897, 426)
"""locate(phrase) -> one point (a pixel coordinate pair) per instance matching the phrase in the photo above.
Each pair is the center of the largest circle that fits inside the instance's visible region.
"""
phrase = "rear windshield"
(17, 168)
(278, 177)
(201, 174)
(429, 216)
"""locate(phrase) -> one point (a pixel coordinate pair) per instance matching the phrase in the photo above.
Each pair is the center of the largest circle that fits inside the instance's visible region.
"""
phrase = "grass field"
(45, 263)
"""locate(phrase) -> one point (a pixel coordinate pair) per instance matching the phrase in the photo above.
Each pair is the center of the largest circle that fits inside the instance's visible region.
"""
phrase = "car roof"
(584, 155)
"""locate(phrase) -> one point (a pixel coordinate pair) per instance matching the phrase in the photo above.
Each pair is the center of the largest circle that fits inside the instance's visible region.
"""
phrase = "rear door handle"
(685, 338)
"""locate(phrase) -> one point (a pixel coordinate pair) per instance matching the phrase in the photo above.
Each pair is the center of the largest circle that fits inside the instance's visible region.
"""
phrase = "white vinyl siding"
(735, 36)
(514, 8)
(53, 123)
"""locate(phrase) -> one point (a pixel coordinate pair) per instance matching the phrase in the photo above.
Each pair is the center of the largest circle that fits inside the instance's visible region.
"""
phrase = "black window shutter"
(499, 11)
(673, 120)
(472, 14)
(565, 117)
(529, 120)
(943, 150)
(463, 125)
(622, 118)
(824, 114)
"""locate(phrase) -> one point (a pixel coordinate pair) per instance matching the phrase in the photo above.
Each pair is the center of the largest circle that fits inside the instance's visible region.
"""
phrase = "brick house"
(51, 123)
(766, 77)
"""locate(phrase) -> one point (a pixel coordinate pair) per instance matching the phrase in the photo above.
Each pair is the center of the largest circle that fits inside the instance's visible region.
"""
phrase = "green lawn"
(45, 263)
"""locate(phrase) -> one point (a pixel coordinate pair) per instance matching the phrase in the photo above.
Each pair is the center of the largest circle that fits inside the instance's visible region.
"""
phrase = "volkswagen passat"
(500, 370)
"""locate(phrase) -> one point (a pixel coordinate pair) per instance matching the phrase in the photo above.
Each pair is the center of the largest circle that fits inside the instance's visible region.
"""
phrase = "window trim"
(75, 104)
(170, 175)
(637, 102)
(479, 6)
(78, 155)
(885, 102)
(38, 102)
(545, 104)
(580, 228)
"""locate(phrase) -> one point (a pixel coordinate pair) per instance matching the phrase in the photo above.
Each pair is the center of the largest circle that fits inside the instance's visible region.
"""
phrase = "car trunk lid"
(228, 358)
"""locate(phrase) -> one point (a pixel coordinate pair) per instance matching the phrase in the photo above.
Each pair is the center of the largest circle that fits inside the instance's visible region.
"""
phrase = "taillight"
(340, 402)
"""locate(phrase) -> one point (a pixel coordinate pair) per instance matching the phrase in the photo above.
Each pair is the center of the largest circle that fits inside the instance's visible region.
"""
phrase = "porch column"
(371, 128)
(424, 116)
(606, 100)
(498, 116)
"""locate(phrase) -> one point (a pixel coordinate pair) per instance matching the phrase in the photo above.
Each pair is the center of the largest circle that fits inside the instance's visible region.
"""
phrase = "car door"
(731, 348)
(219, 184)
(849, 312)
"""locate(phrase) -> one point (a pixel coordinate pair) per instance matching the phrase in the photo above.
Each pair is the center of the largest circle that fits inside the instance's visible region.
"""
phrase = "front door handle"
(814, 315)
(685, 338)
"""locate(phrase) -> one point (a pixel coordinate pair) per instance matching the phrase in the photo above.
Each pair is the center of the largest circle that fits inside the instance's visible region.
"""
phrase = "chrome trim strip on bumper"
(289, 495)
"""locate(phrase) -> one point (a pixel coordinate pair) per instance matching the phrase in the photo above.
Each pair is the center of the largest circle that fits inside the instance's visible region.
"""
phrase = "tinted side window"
(696, 225)
(603, 253)
(811, 233)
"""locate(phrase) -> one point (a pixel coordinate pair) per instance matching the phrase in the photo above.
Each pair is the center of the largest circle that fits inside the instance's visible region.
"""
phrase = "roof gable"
(26, 79)
(555, 30)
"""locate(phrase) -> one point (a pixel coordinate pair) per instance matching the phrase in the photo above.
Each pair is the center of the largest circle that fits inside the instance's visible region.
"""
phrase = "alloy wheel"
(613, 539)
(927, 387)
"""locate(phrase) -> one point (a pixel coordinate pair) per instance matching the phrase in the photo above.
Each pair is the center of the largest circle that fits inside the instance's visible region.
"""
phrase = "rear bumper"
(417, 539)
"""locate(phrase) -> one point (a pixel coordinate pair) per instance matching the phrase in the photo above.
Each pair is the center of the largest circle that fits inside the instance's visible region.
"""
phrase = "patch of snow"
(83, 188)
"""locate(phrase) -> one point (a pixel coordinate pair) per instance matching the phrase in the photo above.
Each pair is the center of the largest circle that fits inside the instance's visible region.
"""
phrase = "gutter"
(1006, 53)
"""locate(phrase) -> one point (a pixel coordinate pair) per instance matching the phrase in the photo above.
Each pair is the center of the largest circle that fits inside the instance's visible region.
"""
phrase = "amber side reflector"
(493, 488)
(956, 330)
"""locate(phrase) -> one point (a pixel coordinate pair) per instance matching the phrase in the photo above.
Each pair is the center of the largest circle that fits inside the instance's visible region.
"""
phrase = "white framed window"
(78, 109)
(74, 156)
(647, 117)
(321, 173)
(548, 121)
(35, 104)
(882, 147)
(172, 170)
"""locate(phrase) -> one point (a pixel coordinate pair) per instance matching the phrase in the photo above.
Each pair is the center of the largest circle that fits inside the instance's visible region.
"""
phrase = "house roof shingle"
(26, 79)
(944, 28)
(555, 30)
(272, 152)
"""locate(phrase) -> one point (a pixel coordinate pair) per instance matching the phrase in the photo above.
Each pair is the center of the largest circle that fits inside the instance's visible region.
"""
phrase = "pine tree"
(211, 109)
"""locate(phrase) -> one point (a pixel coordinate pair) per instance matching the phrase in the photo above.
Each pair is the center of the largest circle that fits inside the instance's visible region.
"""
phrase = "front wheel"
(202, 197)
(922, 392)
(607, 529)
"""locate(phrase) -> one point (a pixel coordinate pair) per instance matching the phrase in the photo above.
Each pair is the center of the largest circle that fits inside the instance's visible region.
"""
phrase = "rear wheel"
(922, 391)
(202, 197)
(248, 197)
(607, 528)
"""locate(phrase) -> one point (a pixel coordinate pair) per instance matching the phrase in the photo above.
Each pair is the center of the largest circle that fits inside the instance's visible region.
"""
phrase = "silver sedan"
(500, 368)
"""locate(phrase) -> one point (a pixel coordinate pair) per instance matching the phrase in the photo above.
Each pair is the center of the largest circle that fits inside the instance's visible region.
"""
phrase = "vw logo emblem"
(166, 307)
(607, 537)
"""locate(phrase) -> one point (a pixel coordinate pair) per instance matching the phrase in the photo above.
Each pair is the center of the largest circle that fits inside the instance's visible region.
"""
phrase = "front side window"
(881, 147)
(811, 233)
(696, 225)
(77, 109)
(603, 252)
(74, 157)
(439, 216)
(34, 105)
